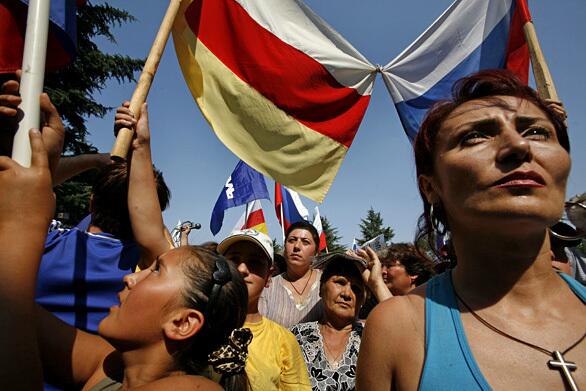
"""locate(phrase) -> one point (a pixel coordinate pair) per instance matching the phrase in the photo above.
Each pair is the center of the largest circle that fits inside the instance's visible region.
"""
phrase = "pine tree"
(332, 237)
(372, 226)
(72, 91)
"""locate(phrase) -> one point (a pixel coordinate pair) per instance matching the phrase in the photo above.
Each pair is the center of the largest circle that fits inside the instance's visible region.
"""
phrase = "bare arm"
(373, 276)
(71, 166)
(69, 356)
(26, 206)
(143, 202)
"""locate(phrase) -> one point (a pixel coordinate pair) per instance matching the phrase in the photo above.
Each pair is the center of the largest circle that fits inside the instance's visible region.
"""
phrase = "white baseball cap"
(250, 235)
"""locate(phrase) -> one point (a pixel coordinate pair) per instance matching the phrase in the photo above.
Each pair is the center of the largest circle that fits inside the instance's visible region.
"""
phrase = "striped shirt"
(278, 303)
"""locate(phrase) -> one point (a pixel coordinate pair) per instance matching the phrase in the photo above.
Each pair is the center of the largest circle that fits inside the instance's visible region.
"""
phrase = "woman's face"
(300, 248)
(397, 279)
(496, 165)
(146, 302)
(253, 265)
(343, 295)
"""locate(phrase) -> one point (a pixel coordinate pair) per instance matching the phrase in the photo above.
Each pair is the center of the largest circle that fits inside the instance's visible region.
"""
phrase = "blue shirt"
(81, 273)
(449, 363)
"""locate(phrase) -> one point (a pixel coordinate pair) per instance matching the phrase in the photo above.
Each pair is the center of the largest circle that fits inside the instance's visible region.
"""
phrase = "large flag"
(289, 207)
(243, 186)
(279, 87)
(469, 36)
(253, 217)
(62, 42)
(320, 230)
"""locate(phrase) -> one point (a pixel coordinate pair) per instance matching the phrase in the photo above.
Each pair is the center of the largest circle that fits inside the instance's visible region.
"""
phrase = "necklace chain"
(336, 362)
(304, 287)
(504, 334)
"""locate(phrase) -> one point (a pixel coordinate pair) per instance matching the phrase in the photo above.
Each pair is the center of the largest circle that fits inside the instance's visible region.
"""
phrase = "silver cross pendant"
(565, 368)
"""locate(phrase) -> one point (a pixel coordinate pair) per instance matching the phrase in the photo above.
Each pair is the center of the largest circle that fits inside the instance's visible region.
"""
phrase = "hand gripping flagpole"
(33, 76)
(125, 135)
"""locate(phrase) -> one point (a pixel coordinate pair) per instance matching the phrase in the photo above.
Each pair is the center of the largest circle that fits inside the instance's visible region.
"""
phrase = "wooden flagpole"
(543, 79)
(124, 138)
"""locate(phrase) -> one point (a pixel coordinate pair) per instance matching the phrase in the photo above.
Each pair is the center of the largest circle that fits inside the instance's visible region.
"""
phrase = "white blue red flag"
(468, 37)
(62, 42)
(288, 207)
(243, 186)
(323, 245)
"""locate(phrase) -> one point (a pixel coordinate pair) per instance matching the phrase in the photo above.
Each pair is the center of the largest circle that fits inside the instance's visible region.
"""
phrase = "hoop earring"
(435, 222)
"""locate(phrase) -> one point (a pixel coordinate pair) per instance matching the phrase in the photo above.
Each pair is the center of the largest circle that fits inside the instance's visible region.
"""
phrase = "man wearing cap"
(274, 357)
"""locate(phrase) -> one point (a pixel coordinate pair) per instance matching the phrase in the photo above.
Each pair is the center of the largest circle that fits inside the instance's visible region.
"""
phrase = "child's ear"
(183, 324)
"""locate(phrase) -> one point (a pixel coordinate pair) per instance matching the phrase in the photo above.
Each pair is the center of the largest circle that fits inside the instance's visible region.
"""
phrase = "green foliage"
(372, 226)
(73, 90)
(277, 248)
(332, 237)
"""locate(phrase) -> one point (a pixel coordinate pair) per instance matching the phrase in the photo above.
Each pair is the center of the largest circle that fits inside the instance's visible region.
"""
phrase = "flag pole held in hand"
(33, 76)
(124, 137)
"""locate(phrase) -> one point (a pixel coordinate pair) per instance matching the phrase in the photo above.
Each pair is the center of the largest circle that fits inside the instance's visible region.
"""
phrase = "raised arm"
(26, 208)
(143, 202)
(373, 276)
(70, 166)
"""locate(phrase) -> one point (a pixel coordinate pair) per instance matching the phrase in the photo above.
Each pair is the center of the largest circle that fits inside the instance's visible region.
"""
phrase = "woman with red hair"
(492, 165)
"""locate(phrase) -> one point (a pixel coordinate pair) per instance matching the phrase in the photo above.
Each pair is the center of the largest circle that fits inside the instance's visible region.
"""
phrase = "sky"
(379, 170)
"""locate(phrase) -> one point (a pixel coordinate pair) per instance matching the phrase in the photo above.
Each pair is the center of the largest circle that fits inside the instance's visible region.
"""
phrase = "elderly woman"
(330, 347)
(492, 166)
(293, 296)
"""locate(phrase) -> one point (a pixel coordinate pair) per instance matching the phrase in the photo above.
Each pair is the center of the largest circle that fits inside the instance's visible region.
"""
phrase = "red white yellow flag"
(280, 88)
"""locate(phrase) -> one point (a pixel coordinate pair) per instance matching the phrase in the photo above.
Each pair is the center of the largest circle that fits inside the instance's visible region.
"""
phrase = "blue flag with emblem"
(243, 186)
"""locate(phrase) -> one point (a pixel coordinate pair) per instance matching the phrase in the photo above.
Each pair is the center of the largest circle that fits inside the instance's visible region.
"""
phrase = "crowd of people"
(114, 303)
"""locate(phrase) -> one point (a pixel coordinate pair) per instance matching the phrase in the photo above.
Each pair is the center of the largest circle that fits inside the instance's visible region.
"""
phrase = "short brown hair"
(109, 205)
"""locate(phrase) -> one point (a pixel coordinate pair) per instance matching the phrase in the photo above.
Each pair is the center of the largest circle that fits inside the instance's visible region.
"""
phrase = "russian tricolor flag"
(288, 207)
(468, 37)
(62, 42)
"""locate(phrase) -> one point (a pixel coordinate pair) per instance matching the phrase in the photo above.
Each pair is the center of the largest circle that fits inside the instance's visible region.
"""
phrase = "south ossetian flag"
(279, 87)
(252, 218)
(62, 40)
(468, 37)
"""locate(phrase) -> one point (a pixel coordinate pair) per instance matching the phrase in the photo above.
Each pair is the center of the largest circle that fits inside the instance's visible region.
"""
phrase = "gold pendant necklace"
(304, 287)
(558, 363)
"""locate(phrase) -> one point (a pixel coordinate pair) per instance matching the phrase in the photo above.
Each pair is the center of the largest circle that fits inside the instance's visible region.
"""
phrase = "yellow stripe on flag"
(251, 126)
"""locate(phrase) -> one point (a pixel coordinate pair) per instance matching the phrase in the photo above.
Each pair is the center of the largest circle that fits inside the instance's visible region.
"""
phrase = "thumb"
(142, 126)
(38, 152)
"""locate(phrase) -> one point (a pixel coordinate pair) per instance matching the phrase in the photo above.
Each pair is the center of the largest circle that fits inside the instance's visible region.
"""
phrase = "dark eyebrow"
(523, 122)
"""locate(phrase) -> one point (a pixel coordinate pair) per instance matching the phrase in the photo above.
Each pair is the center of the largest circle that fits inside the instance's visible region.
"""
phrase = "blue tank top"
(449, 364)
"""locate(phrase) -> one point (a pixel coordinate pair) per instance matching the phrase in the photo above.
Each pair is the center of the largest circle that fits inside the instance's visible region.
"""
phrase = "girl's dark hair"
(481, 85)
(226, 313)
(306, 225)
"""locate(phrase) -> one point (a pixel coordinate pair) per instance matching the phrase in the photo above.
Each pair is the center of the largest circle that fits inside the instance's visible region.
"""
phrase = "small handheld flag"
(243, 186)
(320, 230)
(252, 218)
(289, 207)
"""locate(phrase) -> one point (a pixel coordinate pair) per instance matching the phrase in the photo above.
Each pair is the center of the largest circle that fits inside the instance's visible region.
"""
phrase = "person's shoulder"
(400, 314)
(183, 383)
(299, 327)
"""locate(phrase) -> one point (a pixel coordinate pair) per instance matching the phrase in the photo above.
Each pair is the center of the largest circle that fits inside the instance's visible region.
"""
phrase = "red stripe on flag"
(292, 80)
(517, 49)
(523, 10)
(255, 218)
